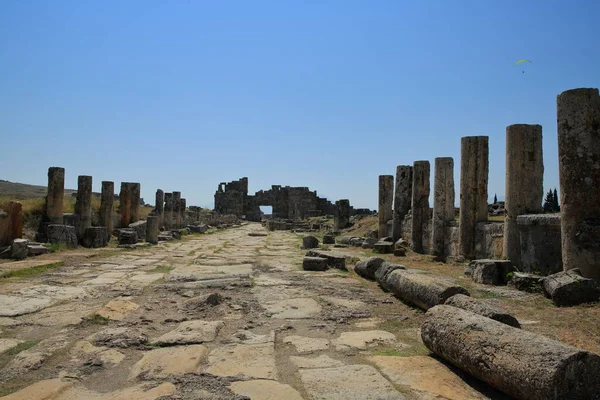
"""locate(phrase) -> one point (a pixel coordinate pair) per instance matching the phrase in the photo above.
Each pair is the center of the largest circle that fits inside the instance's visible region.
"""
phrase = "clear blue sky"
(182, 95)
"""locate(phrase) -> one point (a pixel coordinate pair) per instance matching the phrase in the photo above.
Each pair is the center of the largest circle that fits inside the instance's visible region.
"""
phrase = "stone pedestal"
(176, 210)
(386, 197)
(107, 198)
(443, 203)
(15, 220)
(524, 182)
(402, 198)
(168, 216)
(83, 205)
(341, 215)
(95, 237)
(420, 203)
(56, 192)
(579, 172)
(152, 229)
(159, 206)
(474, 160)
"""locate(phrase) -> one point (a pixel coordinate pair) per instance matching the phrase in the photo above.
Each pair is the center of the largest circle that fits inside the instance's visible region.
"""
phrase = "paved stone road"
(218, 316)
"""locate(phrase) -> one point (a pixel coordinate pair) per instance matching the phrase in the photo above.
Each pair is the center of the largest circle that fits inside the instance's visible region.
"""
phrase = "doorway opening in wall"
(267, 212)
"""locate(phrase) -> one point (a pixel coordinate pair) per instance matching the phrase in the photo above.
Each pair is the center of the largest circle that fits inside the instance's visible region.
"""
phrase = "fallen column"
(386, 197)
(482, 308)
(424, 291)
(522, 364)
(419, 203)
(402, 198)
(443, 203)
(83, 205)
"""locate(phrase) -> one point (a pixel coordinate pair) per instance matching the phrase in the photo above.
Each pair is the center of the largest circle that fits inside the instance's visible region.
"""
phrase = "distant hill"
(22, 191)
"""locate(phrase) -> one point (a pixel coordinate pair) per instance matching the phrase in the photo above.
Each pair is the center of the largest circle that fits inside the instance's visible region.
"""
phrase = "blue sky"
(182, 95)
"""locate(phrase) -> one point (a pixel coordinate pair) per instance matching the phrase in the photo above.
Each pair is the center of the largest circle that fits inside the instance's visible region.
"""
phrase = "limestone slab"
(252, 360)
(138, 392)
(12, 306)
(265, 390)
(49, 389)
(348, 382)
(300, 308)
(190, 332)
(362, 340)
(161, 363)
(117, 309)
(322, 361)
(54, 292)
(304, 344)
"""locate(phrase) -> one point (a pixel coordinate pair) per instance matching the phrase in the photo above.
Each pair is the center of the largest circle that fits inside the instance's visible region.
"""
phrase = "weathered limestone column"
(402, 198)
(107, 198)
(135, 202)
(341, 215)
(56, 193)
(176, 208)
(15, 221)
(83, 204)
(443, 203)
(168, 217)
(125, 199)
(524, 182)
(420, 203)
(579, 172)
(182, 207)
(152, 229)
(386, 197)
(159, 206)
(474, 165)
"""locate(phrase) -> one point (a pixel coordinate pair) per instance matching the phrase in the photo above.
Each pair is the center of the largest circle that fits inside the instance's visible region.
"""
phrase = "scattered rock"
(201, 302)
(118, 337)
(383, 247)
(368, 243)
(314, 264)
(333, 260)
(400, 252)
(569, 288)
(310, 242)
(328, 239)
(526, 282)
(18, 249)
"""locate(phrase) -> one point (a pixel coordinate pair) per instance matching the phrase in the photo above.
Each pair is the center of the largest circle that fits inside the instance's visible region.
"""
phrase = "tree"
(495, 198)
(549, 201)
(555, 205)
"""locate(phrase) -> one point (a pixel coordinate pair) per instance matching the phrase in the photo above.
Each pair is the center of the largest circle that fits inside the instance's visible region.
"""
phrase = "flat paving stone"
(322, 361)
(117, 309)
(357, 382)
(161, 363)
(304, 344)
(265, 390)
(301, 308)
(251, 360)
(13, 306)
(191, 332)
(362, 340)
(49, 389)
(54, 292)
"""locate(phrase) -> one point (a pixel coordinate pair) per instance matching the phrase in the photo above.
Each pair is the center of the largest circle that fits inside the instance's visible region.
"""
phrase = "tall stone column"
(386, 197)
(83, 204)
(176, 209)
(341, 215)
(135, 202)
(168, 217)
(579, 172)
(443, 203)
(474, 166)
(152, 229)
(15, 221)
(524, 182)
(402, 198)
(182, 208)
(56, 193)
(159, 206)
(420, 203)
(107, 198)
(125, 198)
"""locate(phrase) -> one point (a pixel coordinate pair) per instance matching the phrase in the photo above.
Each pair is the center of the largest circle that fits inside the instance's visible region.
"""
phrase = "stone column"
(176, 212)
(420, 203)
(83, 204)
(341, 215)
(402, 198)
(159, 206)
(135, 202)
(524, 182)
(386, 197)
(56, 192)
(152, 229)
(168, 217)
(443, 203)
(125, 199)
(579, 172)
(182, 207)
(15, 221)
(474, 165)
(107, 198)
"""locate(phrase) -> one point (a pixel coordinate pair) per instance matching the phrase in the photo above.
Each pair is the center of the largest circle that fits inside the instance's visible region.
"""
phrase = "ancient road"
(217, 316)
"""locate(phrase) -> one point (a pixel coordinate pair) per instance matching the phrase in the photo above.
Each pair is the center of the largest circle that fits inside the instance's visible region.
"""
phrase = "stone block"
(18, 249)
(127, 236)
(202, 228)
(95, 236)
(62, 234)
(383, 247)
(310, 242)
(140, 228)
(490, 272)
(526, 282)
(368, 243)
(540, 243)
(400, 252)
(328, 239)
(314, 264)
(36, 249)
(569, 288)
(333, 260)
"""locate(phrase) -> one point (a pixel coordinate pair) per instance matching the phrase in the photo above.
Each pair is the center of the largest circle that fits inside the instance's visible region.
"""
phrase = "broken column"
(135, 202)
(168, 216)
(341, 215)
(107, 198)
(524, 182)
(56, 192)
(15, 221)
(419, 203)
(386, 197)
(176, 212)
(474, 164)
(152, 229)
(579, 172)
(159, 206)
(83, 205)
(125, 198)
(402, 198)
(443, 203)
(182, 207)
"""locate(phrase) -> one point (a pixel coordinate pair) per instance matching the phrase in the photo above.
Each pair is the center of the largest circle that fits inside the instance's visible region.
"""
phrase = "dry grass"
(362, 227)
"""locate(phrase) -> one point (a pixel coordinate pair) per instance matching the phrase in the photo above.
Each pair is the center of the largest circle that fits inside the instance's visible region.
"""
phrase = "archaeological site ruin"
(437, 294)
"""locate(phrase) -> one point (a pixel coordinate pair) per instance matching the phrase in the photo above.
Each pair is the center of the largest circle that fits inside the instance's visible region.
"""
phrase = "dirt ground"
(233, 316)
